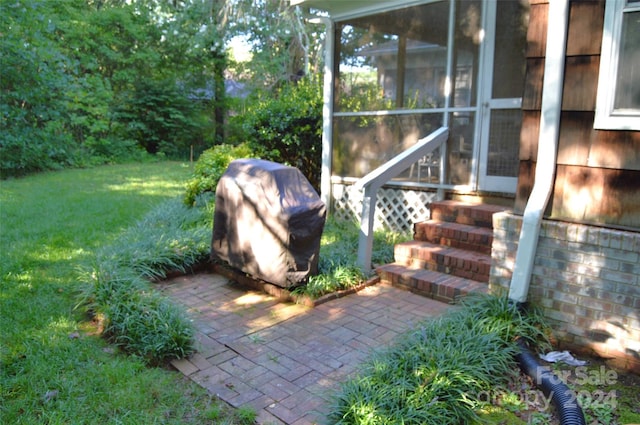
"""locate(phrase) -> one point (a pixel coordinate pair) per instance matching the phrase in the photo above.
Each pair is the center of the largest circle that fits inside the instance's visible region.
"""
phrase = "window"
(618, 101)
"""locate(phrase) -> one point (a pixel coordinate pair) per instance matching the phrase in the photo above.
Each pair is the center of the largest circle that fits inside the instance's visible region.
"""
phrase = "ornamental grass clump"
(337, 265)
(171, 237)
(139, 320)
(436, 373)
(147, 325)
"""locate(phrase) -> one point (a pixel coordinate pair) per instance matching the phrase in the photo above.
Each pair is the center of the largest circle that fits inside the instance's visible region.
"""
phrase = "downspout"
(327, 108)
(547, 149)
(563, 398)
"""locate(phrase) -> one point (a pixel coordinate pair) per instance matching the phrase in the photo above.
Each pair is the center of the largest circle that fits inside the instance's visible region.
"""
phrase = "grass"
(337, 266)
(435, 374)
(172, 237)
(54, 365)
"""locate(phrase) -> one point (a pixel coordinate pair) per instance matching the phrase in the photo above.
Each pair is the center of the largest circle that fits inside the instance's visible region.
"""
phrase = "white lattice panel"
(396, 209)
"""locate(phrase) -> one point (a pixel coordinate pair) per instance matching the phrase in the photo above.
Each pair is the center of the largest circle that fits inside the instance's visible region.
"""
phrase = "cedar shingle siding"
(598, 171)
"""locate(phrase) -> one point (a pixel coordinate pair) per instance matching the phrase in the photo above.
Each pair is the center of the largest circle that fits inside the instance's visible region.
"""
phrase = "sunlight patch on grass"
(62, 324)
(55, 367)
(23, 280)
(147, 187)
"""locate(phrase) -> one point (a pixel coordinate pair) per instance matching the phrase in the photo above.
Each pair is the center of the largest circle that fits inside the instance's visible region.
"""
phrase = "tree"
(80, 77)
(33, 86)
(285, 46)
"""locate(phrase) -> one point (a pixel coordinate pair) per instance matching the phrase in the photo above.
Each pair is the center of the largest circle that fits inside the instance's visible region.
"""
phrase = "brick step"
(455, 235)
(453, 261)
(432, 284)
(463, 213)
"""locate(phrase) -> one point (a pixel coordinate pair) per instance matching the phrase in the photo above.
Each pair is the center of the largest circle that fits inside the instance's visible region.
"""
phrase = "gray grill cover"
(268, 222)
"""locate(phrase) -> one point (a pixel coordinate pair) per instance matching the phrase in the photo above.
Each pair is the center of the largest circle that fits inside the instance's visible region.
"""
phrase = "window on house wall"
(391, 88)
(618, 101)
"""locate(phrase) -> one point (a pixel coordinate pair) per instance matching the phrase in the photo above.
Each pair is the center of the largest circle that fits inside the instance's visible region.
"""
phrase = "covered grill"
(268, 222)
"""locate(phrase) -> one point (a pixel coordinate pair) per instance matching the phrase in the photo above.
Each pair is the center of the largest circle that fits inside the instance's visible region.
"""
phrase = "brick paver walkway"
(284, 359)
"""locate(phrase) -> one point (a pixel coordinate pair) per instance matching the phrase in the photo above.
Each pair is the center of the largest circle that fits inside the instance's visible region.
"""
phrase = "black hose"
(563, 398)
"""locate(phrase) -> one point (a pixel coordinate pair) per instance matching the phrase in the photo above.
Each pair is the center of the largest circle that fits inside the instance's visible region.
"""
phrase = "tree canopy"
(92, 81)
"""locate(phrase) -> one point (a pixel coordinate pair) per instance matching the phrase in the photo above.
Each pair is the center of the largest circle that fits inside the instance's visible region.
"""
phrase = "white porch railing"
(381, 175)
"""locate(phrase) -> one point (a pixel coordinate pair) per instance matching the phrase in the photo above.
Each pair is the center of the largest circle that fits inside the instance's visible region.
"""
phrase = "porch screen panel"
(363, 143)
(393, 60)
(466, 52)
(504, 142)
(460, 147)
(466, 59)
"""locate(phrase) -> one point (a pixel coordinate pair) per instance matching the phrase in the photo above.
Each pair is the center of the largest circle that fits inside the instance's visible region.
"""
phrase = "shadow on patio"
(284, 359)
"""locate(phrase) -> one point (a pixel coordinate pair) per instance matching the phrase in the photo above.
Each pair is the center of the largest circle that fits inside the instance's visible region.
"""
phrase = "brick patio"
(284, 359)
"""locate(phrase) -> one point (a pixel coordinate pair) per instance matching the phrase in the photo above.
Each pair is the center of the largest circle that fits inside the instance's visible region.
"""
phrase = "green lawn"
(55, 368)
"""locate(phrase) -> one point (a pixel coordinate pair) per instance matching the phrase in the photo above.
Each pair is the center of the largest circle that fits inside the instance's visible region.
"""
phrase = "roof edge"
(340, 9)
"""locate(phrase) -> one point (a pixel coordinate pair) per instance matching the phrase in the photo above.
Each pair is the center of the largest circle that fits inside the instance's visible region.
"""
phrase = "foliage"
(432, 375)
(91, 82)
(171, 237)
(33, 93)
(337, 266)
(138, 320)
(283, 46)
(498, 314)
(160, 118)
(286, 127)
(210, 167)
(54, 365)
(83, 80)
(365, 96)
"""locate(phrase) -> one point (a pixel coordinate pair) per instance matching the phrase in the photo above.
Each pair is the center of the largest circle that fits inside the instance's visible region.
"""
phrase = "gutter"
(547, 149)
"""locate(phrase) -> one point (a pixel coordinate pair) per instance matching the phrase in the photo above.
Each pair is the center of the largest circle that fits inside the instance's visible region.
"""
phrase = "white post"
(327, 109)
(365, 242)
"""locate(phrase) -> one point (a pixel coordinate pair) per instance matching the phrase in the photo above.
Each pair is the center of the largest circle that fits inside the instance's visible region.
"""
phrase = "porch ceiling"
(343, 8)
(389, 17)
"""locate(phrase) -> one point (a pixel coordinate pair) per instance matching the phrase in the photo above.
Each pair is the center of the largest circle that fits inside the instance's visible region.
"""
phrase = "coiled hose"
(563, 398)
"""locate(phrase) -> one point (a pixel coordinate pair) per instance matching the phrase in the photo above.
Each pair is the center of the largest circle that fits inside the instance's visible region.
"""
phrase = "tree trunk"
(219, 102)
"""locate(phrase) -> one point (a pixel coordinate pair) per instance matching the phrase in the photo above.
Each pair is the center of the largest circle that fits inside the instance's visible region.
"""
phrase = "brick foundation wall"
(586, 280)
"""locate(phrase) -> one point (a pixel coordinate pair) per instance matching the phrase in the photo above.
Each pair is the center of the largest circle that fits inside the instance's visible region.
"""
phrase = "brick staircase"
(449, 256)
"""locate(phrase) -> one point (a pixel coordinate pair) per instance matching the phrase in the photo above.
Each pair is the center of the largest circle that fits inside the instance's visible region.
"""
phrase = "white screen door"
(501, 114)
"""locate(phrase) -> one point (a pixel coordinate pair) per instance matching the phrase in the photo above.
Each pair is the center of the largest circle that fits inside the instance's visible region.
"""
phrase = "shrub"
(160, 117)
(146, 324)
(285, 126)
(110, 150)
(210, 167)
(32, 150)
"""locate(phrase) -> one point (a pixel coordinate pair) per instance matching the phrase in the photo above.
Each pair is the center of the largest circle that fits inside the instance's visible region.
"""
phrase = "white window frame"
(608, 118)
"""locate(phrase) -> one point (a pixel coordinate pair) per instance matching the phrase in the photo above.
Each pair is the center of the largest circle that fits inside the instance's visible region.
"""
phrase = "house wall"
(598, 171)
(586, 280)
(586, 275)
